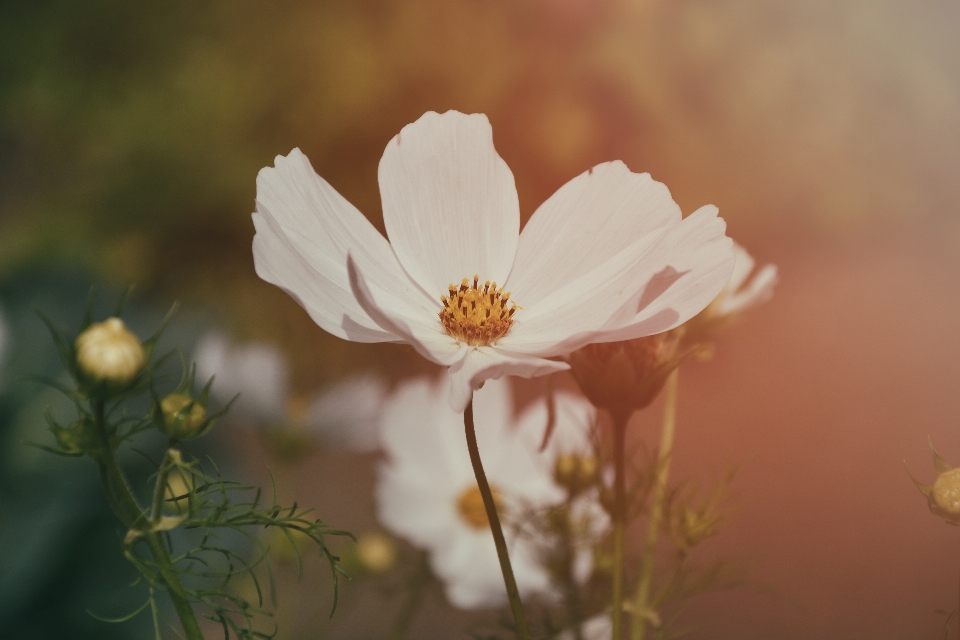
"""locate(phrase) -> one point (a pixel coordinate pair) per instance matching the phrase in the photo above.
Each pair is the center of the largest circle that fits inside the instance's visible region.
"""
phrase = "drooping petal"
(304, 231)
(757, 291)
(743, 264)
(485, 363)
(592, 217)
(422, 331)
(449, 201)
(683, 274)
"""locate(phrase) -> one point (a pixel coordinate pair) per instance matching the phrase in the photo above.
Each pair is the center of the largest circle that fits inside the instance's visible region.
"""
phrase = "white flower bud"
(110, 352)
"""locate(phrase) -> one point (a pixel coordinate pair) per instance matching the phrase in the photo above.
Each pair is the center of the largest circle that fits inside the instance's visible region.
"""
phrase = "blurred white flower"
(608, 257)
(427, 493)
(343, 414)
(738, 295)
(596, 628)
(257, 371)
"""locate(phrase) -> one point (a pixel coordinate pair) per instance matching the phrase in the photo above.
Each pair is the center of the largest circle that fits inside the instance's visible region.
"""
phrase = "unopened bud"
(376, 552)
(75, 439)
(183, 417)
(946, 491)
(109, 352)
(575, 472)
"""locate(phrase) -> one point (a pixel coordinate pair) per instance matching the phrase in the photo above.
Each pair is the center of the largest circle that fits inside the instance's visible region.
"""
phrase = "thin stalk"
(410, 606)
(638, 627)
(619, 520)
(513, 593)
(133, 516)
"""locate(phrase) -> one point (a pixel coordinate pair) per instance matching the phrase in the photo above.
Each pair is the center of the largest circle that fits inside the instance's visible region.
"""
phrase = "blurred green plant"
(180, 543)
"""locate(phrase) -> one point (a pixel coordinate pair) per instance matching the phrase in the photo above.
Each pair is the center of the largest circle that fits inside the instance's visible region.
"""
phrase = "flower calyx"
(623, 377)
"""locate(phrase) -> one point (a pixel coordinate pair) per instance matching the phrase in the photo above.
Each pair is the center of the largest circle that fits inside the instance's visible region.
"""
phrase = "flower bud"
(946, 492)
(75, 439)
(183, 417)
(575, 472)
(109, 352)
(376, 552)
(622, 377)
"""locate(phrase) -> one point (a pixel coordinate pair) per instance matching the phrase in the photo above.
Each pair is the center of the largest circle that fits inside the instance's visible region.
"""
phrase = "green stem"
(417, 586)
(513, 593)
(133, 516)
(619, 519)
(641, 605)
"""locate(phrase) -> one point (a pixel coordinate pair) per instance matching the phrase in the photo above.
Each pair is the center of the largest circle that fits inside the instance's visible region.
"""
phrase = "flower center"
(477, 315)
(471, 509)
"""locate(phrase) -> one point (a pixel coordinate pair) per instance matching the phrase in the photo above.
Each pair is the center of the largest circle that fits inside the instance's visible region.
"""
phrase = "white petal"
(346, 413)
(485, 363)
(304, 231)
(575, 314)
(742, 266)
(683, 274)
(449, 201)
(758, 291)
(597, 214)
(407, 321)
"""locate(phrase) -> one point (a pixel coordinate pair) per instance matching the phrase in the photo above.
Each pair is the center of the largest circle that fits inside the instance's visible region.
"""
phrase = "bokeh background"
(828, 133)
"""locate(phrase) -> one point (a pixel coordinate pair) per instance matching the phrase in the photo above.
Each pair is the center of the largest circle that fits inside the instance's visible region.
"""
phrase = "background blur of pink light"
(828, 133)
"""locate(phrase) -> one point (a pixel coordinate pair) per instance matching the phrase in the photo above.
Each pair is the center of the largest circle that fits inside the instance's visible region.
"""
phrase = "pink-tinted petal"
(575, 314)
(683, 274)
(304, 231)
(485, 363)
(394, 315)
(594, 216)
(449, 201)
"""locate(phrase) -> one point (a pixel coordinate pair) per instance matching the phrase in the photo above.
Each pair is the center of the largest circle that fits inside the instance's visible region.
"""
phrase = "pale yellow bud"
(109, 352)
(946, 491)
(180, 421)
(376, 552)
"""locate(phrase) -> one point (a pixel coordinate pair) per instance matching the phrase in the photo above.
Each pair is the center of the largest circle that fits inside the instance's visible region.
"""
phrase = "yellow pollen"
(477, 314)
(471, 509)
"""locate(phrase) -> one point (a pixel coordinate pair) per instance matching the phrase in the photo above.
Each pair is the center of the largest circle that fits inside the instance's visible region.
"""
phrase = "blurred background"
(827, 132)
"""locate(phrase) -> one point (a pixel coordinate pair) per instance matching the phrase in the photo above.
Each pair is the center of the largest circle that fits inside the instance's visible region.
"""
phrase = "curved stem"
(513, 593)
(132, 515)
(638, 627)
(619, 520)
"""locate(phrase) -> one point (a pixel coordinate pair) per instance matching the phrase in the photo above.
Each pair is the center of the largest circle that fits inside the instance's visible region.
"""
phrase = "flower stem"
(640, 613)
(417, 586)
(619, 520)
(513, 593)
(130, 513)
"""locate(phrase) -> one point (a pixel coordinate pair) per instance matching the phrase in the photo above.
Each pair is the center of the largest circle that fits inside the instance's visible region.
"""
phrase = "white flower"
(257, 371)
(606, 258)
(596, 628)
(738, 295)
(427, 493)
(343, 414)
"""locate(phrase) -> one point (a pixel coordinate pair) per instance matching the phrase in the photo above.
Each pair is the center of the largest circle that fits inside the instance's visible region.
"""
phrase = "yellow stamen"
(471, 509)
(477, 314)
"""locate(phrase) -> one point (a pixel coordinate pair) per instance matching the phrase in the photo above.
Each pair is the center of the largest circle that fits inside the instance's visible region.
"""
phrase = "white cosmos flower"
(608, 257)
(596, 628)
(739, 295)
(343, 414)
(427, 493)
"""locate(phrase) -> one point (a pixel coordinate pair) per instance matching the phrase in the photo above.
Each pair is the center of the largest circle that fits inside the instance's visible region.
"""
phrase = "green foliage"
(184, 543)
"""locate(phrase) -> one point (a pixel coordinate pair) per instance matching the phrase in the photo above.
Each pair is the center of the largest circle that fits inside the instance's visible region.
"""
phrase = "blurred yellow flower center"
(471, 509)
(946, 491)
(376, 552)
(477, 314)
